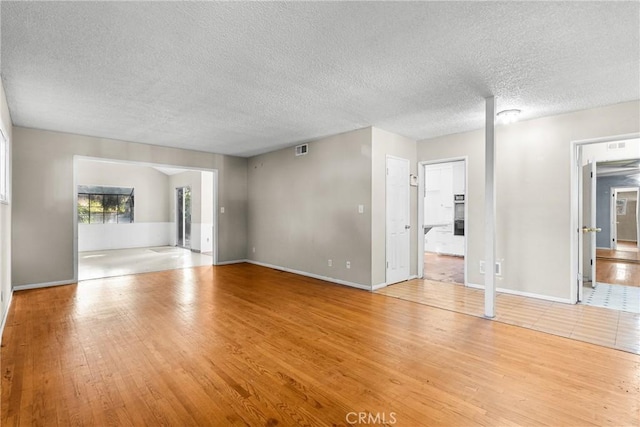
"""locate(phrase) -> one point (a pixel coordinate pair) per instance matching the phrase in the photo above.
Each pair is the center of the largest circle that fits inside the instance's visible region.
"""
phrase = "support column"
(490, 210)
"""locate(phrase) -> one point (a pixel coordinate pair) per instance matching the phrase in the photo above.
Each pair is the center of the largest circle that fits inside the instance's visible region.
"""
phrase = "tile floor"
(119, 262)
(615, 297)
(596, 325)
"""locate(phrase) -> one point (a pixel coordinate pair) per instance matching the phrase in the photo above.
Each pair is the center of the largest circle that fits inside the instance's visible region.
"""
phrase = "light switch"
(222, 209)
(360, 208)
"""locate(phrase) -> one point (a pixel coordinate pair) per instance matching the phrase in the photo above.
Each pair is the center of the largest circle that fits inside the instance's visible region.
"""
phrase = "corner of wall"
(5, 216)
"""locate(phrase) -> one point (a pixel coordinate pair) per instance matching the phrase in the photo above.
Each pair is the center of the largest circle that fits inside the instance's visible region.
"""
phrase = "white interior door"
(398, 220)
(588, 225)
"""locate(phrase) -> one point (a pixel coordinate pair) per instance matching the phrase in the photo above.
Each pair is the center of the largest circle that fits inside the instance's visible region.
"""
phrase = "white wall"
(5, 217)
(103, 237)
(533, 204)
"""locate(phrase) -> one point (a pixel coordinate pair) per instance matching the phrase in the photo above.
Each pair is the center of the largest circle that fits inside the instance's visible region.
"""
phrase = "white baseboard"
(379, 286)
(235, 261)
(44, 285)
(315, 276)
(384, 285)
(524, 294)
(6, 314)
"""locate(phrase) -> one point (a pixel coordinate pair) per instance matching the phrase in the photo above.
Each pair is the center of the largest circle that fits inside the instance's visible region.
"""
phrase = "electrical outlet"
(348, 264)
(330, 263)
(253, 249)
(498, 268)
(222, 209)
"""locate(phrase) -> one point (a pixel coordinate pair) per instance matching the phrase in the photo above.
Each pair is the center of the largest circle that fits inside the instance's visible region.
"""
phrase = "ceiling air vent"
(616, 145)
(301, 150)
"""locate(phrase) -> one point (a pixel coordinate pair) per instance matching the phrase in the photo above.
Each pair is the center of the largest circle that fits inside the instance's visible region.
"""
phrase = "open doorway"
(444, 210)
(608, 210)
(135, 217)
(183, 217)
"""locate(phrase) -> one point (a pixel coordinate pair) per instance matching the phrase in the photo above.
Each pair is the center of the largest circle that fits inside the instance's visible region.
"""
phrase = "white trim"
(235, 261)
(379, 286)
(6, 315)
(490, 208)
(314, 276)
(44, 285)
(613, 231)
(574, 234)
(525, 294)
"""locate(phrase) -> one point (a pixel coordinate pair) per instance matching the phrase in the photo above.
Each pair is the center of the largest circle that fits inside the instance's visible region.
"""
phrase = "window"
(105, 205)
(4, 168)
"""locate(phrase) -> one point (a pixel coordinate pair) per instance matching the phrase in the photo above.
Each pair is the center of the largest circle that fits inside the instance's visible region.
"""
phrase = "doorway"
(124, 216)
(444, 227)
(183, 217)
(608, 217)
(625, 219)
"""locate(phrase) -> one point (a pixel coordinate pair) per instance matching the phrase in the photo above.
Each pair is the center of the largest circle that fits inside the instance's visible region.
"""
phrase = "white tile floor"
(615, 297)
(119, 262)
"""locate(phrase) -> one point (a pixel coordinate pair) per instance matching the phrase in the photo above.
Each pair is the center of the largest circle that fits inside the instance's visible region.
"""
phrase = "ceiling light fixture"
(508, 116)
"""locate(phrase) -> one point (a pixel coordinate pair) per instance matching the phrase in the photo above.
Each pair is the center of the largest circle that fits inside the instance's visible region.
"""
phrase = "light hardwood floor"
(246, 345)
(620, 267)
(596, 325)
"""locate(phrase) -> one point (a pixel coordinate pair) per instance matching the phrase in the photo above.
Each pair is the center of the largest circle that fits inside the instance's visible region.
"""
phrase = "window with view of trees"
(105, 205)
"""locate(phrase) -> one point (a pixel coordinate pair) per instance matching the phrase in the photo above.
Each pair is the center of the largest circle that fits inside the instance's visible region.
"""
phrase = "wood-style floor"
(443, 268)
(620, 267)
(246, 345)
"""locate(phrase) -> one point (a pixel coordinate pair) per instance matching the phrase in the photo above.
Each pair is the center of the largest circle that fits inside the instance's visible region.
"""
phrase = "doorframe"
(420, 230)
(77, 157)
(177, 233)
(614, 214)
(575, 235)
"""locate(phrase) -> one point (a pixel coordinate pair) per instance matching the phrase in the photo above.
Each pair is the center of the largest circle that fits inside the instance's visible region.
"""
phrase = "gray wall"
(151, 197)
(5, 214)
(303, 210)
(533, 193)
(43, 198)
(603, 205)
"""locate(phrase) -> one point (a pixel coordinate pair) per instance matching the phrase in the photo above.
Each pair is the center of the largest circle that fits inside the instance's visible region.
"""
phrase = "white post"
(490, 211)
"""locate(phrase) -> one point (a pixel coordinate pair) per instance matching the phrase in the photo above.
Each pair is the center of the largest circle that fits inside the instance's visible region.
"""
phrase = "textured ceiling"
(248, 77)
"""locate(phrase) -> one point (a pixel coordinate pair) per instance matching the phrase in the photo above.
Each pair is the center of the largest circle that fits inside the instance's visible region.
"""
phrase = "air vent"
(616, 145)
(301, 150)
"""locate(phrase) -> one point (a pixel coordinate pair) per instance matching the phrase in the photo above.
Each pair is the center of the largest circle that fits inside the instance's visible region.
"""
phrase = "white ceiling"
(244, 78)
